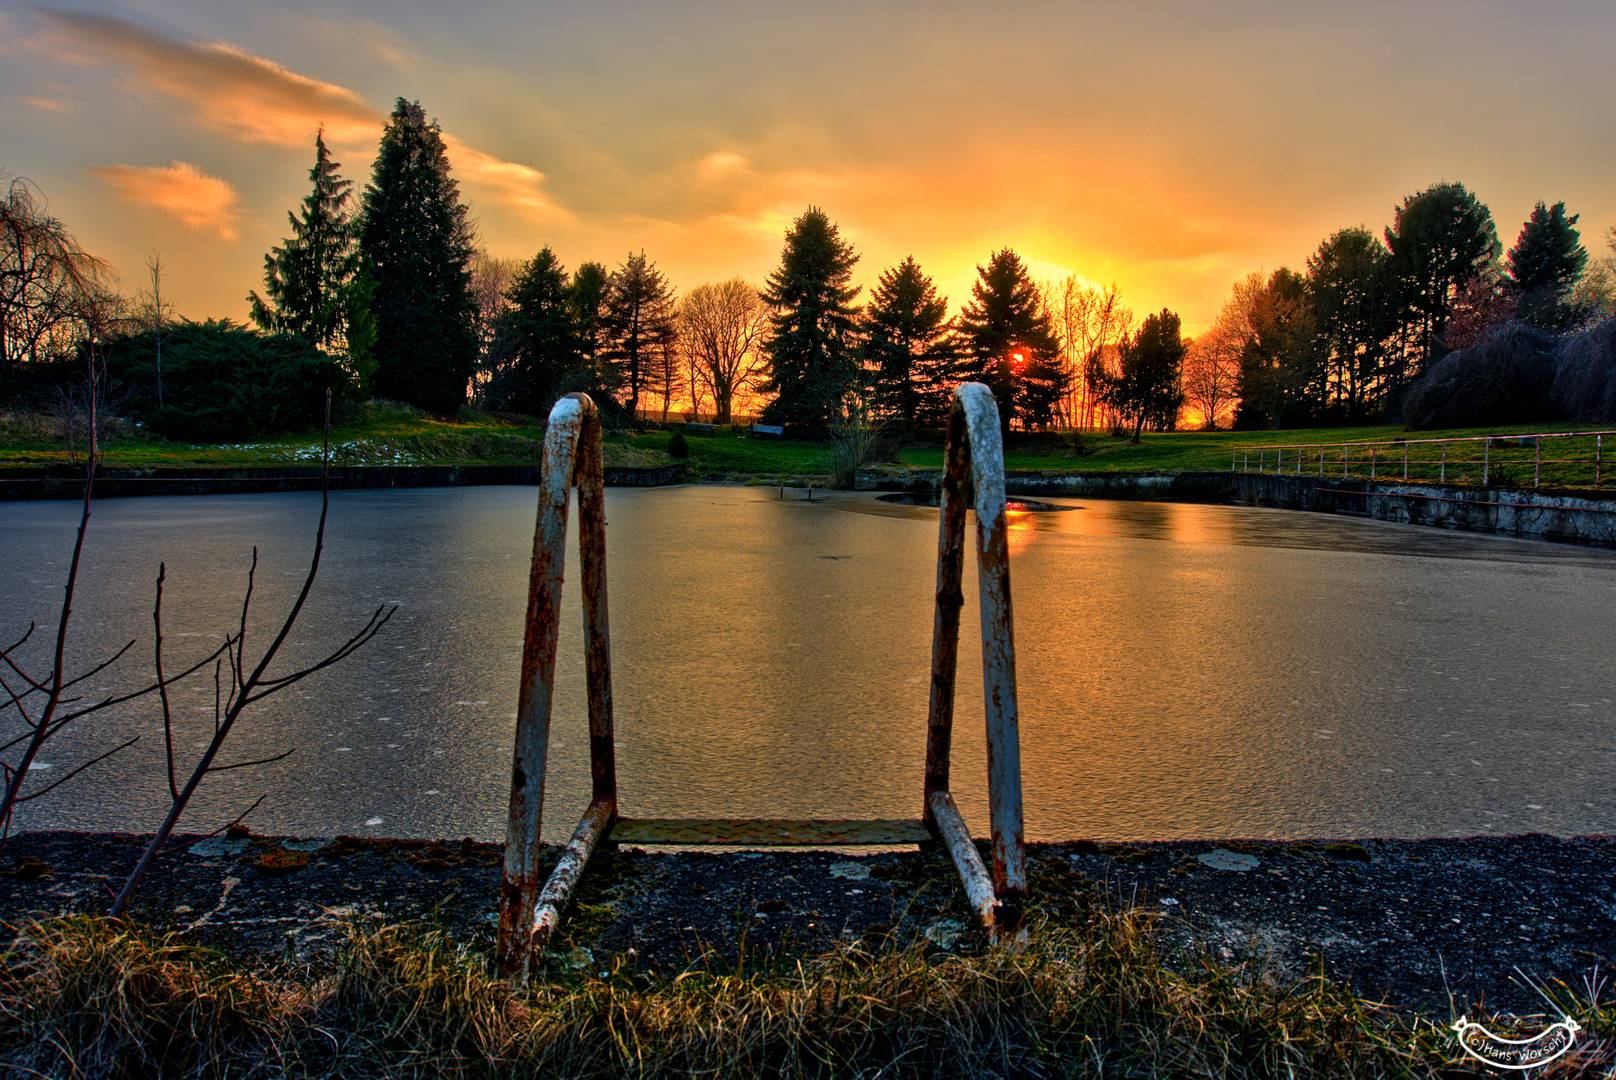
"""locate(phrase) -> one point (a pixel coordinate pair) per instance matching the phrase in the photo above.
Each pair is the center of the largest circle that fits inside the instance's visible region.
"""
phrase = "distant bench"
(769, 429)
(700, 429)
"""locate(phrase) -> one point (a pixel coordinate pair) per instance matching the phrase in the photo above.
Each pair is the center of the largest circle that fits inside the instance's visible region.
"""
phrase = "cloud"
(509, 184)
(48, 104)
(180, 190)
(255, 100)
(227, 89)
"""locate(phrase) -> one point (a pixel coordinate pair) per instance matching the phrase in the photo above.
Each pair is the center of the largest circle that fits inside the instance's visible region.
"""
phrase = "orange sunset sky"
(1169, 147)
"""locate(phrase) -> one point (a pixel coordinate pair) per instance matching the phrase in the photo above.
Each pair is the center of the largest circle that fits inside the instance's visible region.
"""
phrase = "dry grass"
(89, 997)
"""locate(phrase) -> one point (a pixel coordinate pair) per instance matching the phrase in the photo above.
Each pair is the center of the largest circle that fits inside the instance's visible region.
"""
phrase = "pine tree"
(909, 349)
(812, 352)
(419, 244)
(314, 283)
(1544, 266)
(1010, 344)
(637, 326)
(587, 296)
(544, 336)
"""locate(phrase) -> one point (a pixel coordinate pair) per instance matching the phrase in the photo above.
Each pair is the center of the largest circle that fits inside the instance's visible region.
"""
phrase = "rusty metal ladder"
(974, 477)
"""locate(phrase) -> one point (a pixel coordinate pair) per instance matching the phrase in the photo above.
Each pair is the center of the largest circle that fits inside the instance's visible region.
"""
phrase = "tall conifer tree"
(417, 239)
(637, 325)
(812, 355)
(1010, 344)
(314, 283)
(1544, 266)
(909, 348)
(544, 332)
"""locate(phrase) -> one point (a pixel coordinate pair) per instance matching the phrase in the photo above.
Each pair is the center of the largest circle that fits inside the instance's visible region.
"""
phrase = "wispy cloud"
(227, 90)
(254, 100)
(518, 188)
(48, 104)
(179, 189)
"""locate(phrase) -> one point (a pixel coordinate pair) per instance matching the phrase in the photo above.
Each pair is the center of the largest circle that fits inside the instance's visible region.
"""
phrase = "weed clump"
(678, 447)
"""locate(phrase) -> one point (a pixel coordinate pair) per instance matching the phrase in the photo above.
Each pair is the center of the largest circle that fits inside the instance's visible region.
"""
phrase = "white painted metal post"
(1444, 461)
(1537, 467)
(1486, 460)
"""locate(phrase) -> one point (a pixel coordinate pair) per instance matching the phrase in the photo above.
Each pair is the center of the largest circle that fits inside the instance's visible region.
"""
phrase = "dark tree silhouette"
(812, 359)
(544, 335)
(1439, 239)
(419, 244)
(1009, 343)
(910, 354)
(637, 327)
(1148, 390)
(1354, 308)
(314, 284)
(1544, 266)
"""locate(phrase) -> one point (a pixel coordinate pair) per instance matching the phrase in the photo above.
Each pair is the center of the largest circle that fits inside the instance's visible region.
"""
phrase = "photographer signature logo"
(1501, 1053)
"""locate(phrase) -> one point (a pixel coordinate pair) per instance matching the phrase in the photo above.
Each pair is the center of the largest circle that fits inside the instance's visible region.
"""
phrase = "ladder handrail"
(572, 455)
(974, 475)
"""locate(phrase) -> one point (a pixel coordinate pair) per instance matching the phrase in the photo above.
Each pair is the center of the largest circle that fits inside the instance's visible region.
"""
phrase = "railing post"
(1444, 461)
(1371, 463)
(1405, 461)
(1537, 466)
(1599, 458)
(1343, 461)
(975, 473)
(1486, 460)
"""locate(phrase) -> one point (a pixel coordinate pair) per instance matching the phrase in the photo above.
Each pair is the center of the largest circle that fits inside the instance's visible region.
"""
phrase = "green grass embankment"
(386, 434)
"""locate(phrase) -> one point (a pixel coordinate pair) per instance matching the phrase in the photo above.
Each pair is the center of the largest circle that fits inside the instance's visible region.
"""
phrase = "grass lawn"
(386, 434)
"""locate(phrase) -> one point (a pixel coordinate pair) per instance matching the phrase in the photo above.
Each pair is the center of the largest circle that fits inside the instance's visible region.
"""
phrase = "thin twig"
(261, 761)
(59, 782)
(157, 653)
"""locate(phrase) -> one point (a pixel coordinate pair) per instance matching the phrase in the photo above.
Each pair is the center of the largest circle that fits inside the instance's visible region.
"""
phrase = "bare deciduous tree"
(722, 328)
(1089, 322)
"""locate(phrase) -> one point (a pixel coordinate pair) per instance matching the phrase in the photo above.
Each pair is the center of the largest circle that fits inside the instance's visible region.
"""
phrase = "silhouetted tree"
(1544, 266)
(1281, 373)
(313, 283)
(1148, 390)
(51, 290)
(1354, 310)
(812, 352)
(1009, 344)
(417, 240)
(1439, 240)
(636, 324)
(587, 298)
(909, 349)
(543, 335)
(722, 330)
(1088, 321)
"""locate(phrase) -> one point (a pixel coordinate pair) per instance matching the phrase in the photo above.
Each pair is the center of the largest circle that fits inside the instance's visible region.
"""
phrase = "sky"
(1168, 147)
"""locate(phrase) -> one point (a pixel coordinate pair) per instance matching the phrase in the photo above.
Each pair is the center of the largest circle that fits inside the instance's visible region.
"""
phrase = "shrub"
(1503, 379)
(677, 447)
(221, 382)
(1585, 384)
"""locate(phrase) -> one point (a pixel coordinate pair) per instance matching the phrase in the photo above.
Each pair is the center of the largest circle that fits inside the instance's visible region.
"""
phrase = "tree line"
(1347, 338)
(389, 289)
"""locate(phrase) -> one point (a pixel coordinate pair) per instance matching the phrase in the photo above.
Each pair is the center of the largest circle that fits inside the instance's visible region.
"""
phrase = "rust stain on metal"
(592, 828)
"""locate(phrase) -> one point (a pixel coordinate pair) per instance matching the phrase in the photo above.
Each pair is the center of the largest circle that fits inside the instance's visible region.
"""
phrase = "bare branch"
(58, 783)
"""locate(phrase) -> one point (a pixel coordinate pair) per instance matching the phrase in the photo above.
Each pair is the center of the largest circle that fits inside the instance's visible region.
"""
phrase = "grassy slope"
(393, 435)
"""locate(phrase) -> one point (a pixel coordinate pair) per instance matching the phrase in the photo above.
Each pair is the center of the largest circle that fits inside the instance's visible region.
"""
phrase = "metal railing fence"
(1562, 459)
